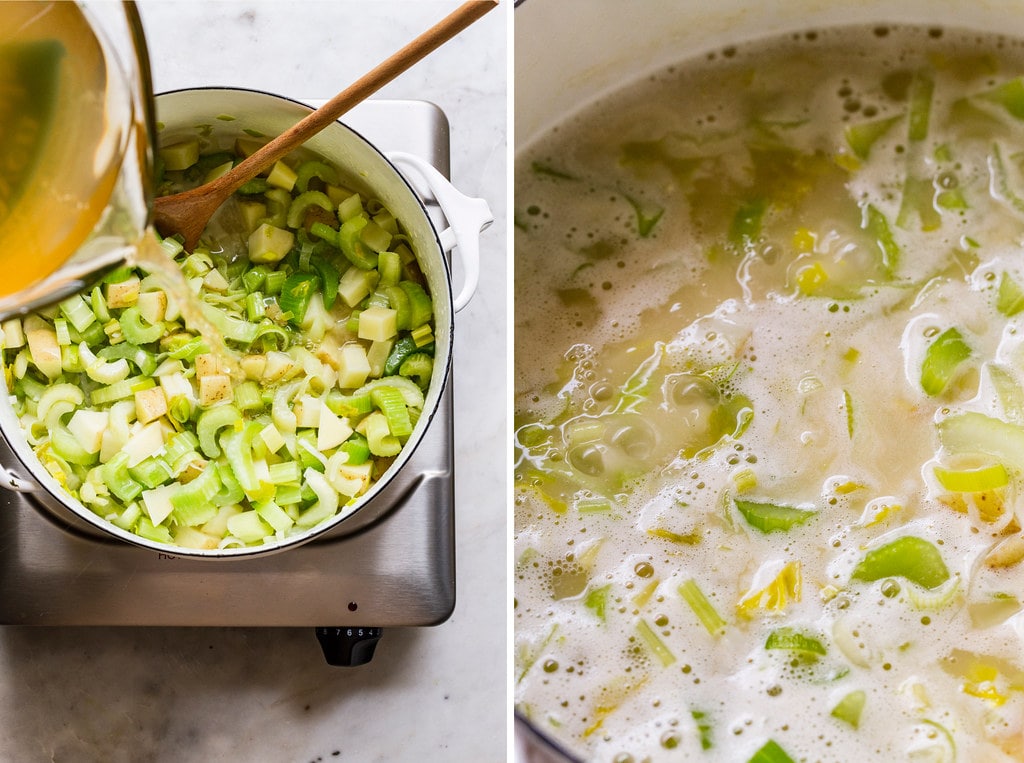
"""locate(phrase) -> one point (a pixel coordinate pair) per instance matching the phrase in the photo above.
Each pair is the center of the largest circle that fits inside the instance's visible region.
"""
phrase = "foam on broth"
(721, 296)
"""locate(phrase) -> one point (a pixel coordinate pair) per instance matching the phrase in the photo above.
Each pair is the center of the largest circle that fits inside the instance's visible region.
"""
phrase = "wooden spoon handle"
(358, 91)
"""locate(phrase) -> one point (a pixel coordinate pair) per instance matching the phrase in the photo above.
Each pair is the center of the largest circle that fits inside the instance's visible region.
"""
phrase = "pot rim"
(439, 381)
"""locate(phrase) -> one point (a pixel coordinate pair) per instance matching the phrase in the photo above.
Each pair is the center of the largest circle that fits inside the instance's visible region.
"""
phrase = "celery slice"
(654, 643)
(973, 432)
(702, 608)
(941, 361)
(771, 517)
(597, 600)
(771, 752)
(862, 136)
(976, 480)
(794, 641)
(850, 707)
(909, 557)
(1010, 298)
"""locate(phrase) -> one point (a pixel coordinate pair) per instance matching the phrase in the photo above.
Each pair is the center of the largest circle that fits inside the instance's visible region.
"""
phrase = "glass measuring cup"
(75, 148)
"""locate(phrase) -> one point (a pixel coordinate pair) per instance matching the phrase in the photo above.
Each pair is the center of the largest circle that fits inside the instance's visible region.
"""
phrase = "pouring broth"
(63, 118)
(769, 433)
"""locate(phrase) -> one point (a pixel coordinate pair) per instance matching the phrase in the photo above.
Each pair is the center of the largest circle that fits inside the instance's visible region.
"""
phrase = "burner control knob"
(348, 647)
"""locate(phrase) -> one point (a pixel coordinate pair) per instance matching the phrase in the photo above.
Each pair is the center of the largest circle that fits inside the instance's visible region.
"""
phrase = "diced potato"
(45, 352)
(378, 324)
(355, 285)
(216, 172)
(190, 537)
(248, 146)
(352, 479)
(282, 176)
(158, 502)
(378, 356)
(88, 428)
(338, 194)
(1007, 553)
(219, 524)
(144, 443)
(175, 385)
(123, 293)
(332, 430)
(14, 336)
(152, 306)
(253, 366)
(252, 212)
(181, 155)
(206, 364)
(215, 389)
(353, 367)
(150, 404)
(268, 243)
(307, 412)
(214, 281)
(273, 438)
(278, 364)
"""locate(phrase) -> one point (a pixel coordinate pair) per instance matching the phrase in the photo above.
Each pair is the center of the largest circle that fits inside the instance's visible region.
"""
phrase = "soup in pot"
(769, 438)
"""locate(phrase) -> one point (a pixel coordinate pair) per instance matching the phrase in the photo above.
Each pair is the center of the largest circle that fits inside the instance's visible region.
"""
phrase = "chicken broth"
(769, 429)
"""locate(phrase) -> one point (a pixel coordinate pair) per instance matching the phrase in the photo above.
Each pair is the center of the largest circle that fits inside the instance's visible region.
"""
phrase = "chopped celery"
(793, 641)
(771, 517)
(596, 600)
(850, 707)
(654, 643)
(942, 359)
(908, 557)
(703, 728)
(863, 135)
(1010, 298)
(771, 752)
(701, 607)
(975, 480)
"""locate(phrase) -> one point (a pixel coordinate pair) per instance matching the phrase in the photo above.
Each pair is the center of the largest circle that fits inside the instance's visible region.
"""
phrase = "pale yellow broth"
(760, 298)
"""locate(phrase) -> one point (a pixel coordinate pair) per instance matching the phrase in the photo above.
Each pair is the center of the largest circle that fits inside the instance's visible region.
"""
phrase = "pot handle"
(466, 216)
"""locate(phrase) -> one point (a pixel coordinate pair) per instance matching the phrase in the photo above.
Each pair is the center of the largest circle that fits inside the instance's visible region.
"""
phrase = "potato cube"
(215, 389)
(378, 324)
(153, 306)
(268, 243)
(123, 293)
(282, 176)
(45, 352)
(181, 155)
(252, 212)
(150, 404)
(353, 367)
(88, 427)
(206, 364)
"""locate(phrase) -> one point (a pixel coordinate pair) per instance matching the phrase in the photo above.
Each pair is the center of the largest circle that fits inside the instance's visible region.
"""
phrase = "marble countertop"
(226, 694)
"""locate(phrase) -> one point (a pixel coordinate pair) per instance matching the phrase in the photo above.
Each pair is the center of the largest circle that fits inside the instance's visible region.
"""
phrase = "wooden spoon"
(188, 212)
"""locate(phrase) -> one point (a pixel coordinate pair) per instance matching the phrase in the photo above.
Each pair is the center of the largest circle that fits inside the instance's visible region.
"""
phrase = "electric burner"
(390, 564)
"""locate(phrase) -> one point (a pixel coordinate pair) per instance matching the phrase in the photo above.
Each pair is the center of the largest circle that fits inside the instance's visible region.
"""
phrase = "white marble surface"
(430, 694)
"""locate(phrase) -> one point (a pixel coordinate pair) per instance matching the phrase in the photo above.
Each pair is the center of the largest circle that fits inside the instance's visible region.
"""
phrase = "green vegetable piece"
(771, 517)
(135, 331)
(314, 169)
(850, 707)
(1010, 299)
(392, 404)
(1009, 95)
(210, 422)
(703, 727)
(862, 136)
(329, 279)
(302, 202)
(977, 480)
(909, 557)
(771, 753)
(654, 643)
(400, 350)
(794, 641)
(254, 187)
(941, 361)
(977, 433)
(702, 608)
(647, 215)
(421, 307)
(921, 88)
(746, 223)
(597, 600)
(358, 449)
(351, 243)
(419, 366)
(877, 226)
(296, 294)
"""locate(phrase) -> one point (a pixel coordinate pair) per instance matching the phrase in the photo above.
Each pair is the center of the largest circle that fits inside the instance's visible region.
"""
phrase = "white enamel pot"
(570, 52)
(201, 112)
